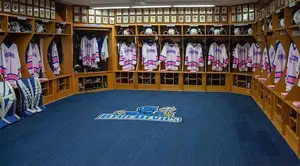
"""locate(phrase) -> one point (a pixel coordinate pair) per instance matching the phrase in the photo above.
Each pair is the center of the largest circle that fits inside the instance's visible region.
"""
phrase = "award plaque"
(195, 18)
(91, 20)
(84, 19)
(48, 14)
(131, 12)
(152, 19)
(76, 10)
(132, 19)
(53, 5)
(15, 8)
(224, 10)
(105, 20)
(202, 18)
(42, 3)
(98, 12)
(48, 4)
(91, 12)
(36, 3)
(98, 19)
(180, 19)
(7, 7)
(111, 20)
(29, 11)
(119, 19)
(139, 19)
(36, 12)
(22, 9)
(42, 12)
(77, 18)
(53, 14)
(217, 10)
(173, 18)
(159, 19)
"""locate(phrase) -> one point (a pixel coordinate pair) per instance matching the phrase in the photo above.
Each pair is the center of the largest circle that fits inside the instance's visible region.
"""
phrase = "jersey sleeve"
(29, 61)
(121, 58)
(211, 54)
(55, 59)
(250, 56)
(82, 53)
(225, 56)
(104, 50)
(163, 54)
(186, 55)
(235, 57)
(200, 57)
(144, 53)
(96, 51)
(18, 63)
(178, 59)
(134, 54)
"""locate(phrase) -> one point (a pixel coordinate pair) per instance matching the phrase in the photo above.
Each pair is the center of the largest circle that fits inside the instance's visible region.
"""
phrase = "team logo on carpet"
(145, 113)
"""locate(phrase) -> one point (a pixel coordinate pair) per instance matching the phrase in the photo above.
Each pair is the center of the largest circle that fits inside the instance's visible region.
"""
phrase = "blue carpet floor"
(217, 129)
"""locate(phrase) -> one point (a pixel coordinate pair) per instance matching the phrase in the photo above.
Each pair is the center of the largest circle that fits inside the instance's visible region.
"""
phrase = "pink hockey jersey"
(34, 63)
(149, 56)
(127, 56)
(240, 55)
(194, 57)
(292, 70)
(11, 66)
(278, 64)
(170, 54)
(55, 59)
(89, 52)
(254, 56)
(217, 57)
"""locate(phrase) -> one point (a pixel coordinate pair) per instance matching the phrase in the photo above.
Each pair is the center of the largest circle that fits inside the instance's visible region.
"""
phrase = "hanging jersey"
(292, 70)
(104, 49)
(149, 56)
(89, 52)
(265, 65)
(194, 57)
(54, 59)
(170, 54)
(272, 56)
(11, 66)
(217, 57)
(34, 63)
(279, 63)
(127, 56)
(254, 56)
(240, 55)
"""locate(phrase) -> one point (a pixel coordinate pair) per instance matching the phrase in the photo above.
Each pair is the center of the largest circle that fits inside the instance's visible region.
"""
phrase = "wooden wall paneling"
(69, 13)
(61, 12)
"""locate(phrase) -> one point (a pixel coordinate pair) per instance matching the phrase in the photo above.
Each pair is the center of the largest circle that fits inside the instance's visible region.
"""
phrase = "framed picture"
(239, 18)
(159, 11)
(152, 19)
(233, 9)
(180, 18)
(139, 19)
(22, 9)
(224, 10)
(166, 11)
(209, 10)
(76, 18)
(202, 10)
(91, 20)
(195, 10)
(52, 4)
(216, 18)
(146, 11)
(84, 19)
(42, 3)
(76, 10)
(251, 8)
(48, 13)
(180, 11)
(91, 12)
(173, 10)
(125, 12)
(104, 12)
(98, 20)
(251, 16)
(42, 12)
(105, 20)
(119, 19)
(146, 19)
(159, 19)
(48, 4)
(84, 11)
(233, 18)
(195, 18)
(111, 12)
(173, 18)
(7, 7)
(29, 2)
(245, 8)
(125, 19)
(245, 17)
(166, 19)
(111, 20)
(217, 10)
(202, 18)
(187, 11)
(132, 19)
(22, 1)
(36, 3)
(138, 11)
(187, 18)
(209, 18)
(239, 9)
(52, 13)
(15, 8)
(131, 12)
(224, 18)
(98, 12)
(30, 11)
(36, 12)
(152, 11)
(119, 12)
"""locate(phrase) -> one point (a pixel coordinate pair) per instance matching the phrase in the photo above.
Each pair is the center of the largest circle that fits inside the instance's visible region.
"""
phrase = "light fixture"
(193, 5)
(113, 7)
(160, 6)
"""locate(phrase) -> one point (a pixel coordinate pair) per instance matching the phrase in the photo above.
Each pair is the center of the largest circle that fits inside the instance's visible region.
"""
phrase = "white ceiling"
(155, 2)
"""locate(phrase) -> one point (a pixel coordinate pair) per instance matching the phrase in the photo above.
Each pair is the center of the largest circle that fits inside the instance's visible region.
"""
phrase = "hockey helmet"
(281, 23)
(148, 31)
(270, 26)
(249, 31)
(237, 31)
(296, 17)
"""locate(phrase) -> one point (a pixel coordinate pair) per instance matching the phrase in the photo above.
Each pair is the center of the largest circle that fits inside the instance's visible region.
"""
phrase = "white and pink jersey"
(11, 66)
(55, 59)
(194, 56)
(279, 62)
(34, 62)
(89, 52)
(170, 54)
(254, 56)
(265, 65)
(127, 56)
(240, 55)
(217, 57)
(292, 70)
(149, 56)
